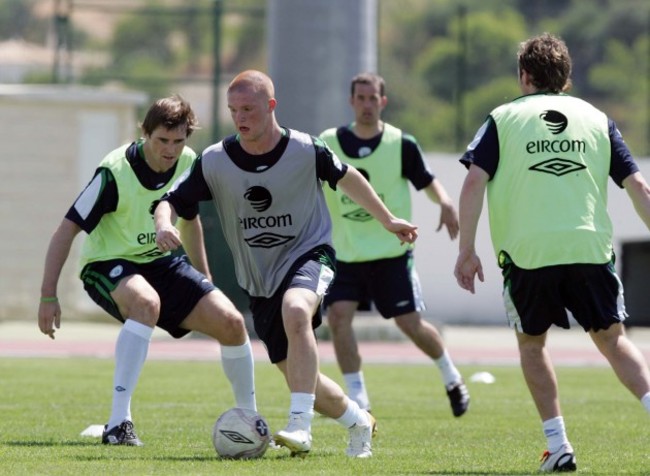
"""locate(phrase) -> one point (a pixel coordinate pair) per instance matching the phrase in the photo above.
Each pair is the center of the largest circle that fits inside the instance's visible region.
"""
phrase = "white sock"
(353, 415)
(237, 363)
(356, 386)
(303, 404)
(130, 353)
(556, 434)
(450, 374)
(645, 400)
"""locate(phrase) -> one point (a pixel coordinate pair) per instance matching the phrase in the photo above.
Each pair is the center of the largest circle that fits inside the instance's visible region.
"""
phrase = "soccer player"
(126, 274)
(545, 159)
(370, 266)
(266, 184)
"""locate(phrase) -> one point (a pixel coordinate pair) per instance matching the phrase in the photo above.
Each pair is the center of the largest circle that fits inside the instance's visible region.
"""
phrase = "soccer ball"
(241, 434)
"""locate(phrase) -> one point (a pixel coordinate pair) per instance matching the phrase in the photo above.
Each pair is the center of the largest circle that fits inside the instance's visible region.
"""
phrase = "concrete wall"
(315, 48)
(51, 141)
(436, 254)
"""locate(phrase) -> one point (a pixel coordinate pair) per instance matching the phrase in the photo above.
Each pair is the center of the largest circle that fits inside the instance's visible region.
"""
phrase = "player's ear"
(272, 103)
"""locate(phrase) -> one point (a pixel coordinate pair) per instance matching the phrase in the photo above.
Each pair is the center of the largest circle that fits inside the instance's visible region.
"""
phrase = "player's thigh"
(350, 283)
(595, 295)
(216, 316)
(395, 288)
(534, 299)
(137, 299)
(305, 285)
(409, 323)
(608, 338)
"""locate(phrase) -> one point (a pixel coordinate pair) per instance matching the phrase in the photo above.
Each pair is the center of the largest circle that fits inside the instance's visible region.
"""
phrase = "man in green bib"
(545, 159)
(372, 267)
(126, 274)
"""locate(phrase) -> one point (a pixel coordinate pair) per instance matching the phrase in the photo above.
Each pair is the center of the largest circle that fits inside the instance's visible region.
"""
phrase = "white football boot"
(296, 436)
(563, 460)
(360, 436)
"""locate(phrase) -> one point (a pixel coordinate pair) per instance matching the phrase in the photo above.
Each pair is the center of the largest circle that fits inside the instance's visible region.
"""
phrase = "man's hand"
(168, 238)
(449, 218)
(49, 317)
(405, 231)
(468, 265)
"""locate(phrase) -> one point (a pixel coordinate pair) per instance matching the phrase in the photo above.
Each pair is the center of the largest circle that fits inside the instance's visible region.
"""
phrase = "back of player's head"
(546, 59)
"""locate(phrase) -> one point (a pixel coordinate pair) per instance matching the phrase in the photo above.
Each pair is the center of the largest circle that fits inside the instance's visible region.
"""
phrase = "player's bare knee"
(338, 322)
(232, 328)
(142, 308)
(296, 318)
(294, 310)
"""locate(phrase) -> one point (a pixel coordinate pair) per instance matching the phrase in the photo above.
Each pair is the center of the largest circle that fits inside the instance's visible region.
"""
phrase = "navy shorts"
(179, 286)
(392, 284)
(535, 299)
(318, 266)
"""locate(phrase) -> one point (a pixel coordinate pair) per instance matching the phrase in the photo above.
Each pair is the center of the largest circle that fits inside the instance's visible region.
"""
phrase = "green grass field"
(46, 403)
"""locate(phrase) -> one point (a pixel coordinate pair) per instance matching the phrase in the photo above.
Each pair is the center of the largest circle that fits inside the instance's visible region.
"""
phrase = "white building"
(51, 140)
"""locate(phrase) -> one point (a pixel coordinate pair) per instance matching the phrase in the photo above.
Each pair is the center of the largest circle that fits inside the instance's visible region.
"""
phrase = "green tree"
(625, 92)
(608, 42)
(587, 26)
(144, 35)
(17, 21)
(455, 68)
(451, 55)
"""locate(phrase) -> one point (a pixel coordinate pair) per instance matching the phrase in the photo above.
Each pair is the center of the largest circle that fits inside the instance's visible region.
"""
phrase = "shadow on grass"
(479, 473)
(123, 455)
(196, 459)
(139, 457)
(45, 444)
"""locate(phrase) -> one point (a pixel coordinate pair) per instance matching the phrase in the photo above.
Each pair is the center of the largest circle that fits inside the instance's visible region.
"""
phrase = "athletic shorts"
(392, 284)
(314, 271)
(535, 299)
(179, 286)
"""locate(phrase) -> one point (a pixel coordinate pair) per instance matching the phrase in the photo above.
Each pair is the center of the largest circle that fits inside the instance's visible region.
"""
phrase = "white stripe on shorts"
(514, 320)
(324, 280)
